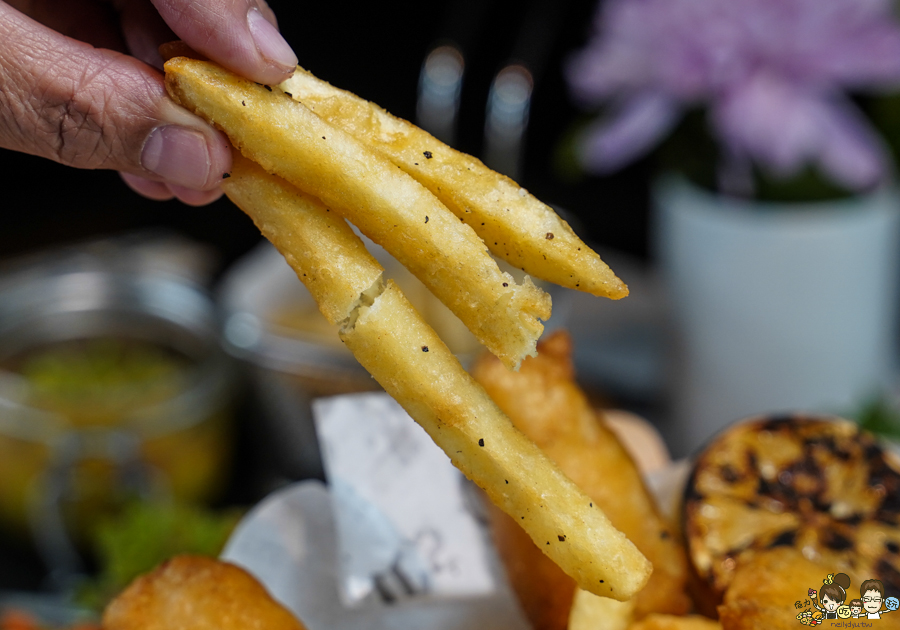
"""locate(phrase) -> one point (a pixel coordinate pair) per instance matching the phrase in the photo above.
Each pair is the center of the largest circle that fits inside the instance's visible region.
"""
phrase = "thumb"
(95, 108)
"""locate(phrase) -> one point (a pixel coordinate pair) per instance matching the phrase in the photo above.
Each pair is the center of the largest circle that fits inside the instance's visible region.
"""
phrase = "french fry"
(514, 225)
(590, 612)
(409, 360)
(414, 366)
(386, 204)
(337, 270)
(544, 591)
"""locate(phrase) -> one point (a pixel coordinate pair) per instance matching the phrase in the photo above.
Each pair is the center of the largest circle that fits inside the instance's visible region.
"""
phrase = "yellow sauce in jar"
(103, 384)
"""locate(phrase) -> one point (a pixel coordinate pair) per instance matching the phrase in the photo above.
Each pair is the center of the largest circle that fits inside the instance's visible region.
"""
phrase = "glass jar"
(82, 423)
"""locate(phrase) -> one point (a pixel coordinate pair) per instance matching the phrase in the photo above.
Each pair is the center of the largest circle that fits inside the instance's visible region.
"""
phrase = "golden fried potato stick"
(197, 593)
(590, 612)
(407, 358)
(544, 591)
(515, 225)
(337, 270)
(386, 204)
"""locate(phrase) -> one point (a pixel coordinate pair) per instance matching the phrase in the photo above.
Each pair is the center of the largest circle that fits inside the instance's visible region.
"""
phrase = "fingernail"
(178, 155)
(269, 41)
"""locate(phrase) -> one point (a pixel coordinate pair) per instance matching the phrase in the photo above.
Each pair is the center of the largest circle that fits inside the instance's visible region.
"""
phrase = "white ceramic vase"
(775, 307)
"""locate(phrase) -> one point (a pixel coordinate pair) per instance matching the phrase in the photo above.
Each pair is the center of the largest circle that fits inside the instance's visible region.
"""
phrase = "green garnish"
(143, 535)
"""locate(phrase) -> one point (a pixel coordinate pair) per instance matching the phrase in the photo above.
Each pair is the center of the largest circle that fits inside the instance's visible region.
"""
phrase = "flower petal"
(631, 132)
(852, 153)
(773, 73)
(846, 49)
(770, 120)
(784, 127)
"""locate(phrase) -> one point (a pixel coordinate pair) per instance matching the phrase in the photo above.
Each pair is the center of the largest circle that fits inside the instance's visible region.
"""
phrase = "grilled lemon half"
(819, 485)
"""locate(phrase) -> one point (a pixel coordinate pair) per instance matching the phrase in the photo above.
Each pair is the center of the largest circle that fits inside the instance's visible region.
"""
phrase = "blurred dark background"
(375, 50)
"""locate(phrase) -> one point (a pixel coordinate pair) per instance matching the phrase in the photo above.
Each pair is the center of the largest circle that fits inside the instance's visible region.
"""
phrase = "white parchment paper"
(394, 541)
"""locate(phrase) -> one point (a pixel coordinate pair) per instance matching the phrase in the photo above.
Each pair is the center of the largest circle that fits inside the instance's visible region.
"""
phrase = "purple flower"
(774, 75)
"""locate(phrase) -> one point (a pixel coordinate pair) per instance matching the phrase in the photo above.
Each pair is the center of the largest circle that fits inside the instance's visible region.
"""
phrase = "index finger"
(241, 35)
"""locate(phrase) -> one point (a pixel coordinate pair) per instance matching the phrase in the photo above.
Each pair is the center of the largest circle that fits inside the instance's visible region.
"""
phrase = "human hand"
(81, 84)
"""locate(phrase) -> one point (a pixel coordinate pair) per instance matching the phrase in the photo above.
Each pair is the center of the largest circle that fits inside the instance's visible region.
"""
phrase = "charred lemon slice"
(819, 485)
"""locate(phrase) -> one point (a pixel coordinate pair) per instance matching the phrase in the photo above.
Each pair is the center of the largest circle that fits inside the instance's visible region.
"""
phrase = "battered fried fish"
(544, 402)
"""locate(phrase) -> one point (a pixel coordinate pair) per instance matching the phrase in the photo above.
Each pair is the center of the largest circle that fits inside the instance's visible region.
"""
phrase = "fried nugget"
(197, 593)
(765, 591)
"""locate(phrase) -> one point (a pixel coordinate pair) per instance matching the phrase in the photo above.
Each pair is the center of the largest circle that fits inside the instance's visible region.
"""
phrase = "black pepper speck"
(424, 348)
(427, 154)
(480, 441)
